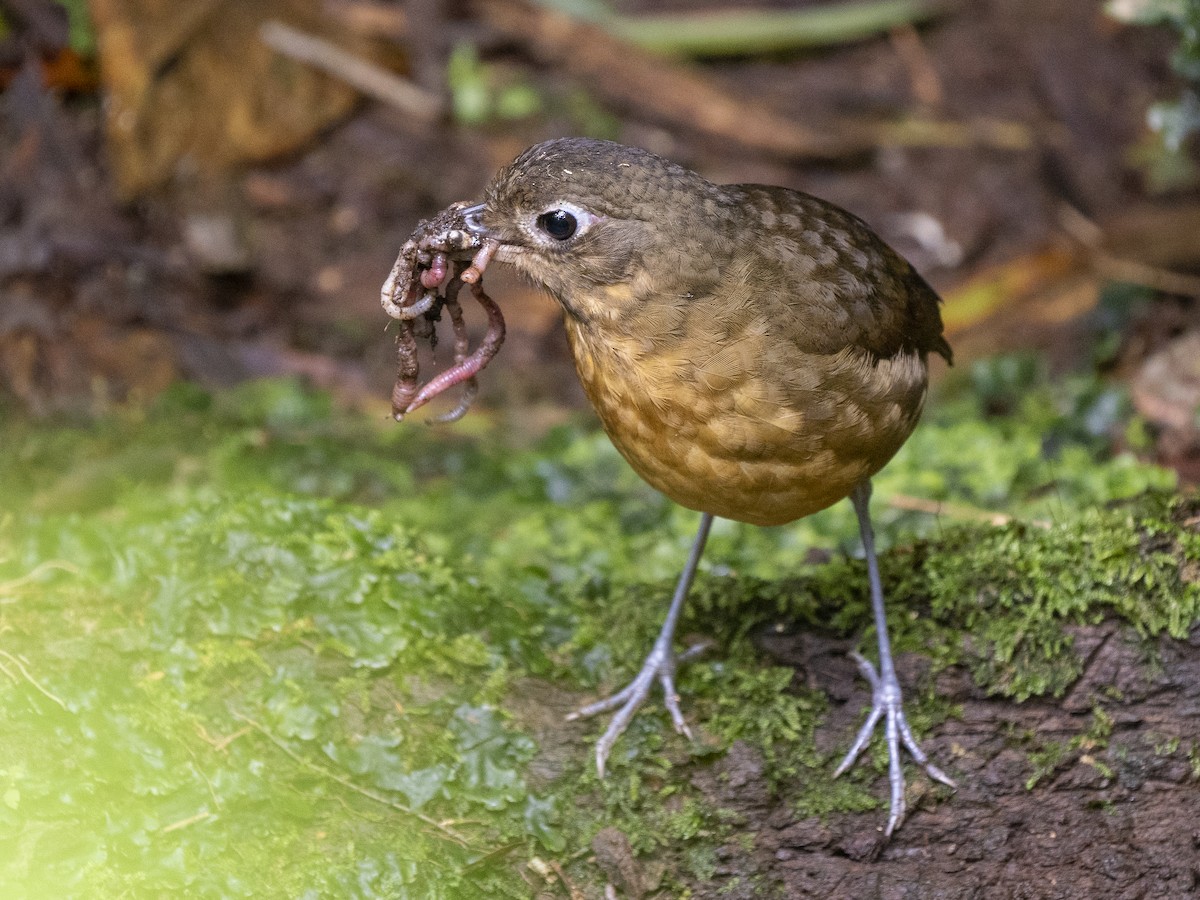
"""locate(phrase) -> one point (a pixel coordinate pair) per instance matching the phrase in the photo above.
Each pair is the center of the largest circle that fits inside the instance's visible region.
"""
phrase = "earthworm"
(469, 367)
(436, 250)
(461, 347)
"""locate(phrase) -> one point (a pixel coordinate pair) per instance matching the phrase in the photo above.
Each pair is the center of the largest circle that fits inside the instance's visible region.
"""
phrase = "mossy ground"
(254, 646)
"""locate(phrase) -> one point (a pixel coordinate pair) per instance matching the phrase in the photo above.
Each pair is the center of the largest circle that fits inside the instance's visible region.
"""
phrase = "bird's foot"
(886, 704)
(660, 665)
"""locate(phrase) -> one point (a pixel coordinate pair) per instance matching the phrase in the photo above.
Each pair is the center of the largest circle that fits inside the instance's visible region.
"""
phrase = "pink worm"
(473, 364)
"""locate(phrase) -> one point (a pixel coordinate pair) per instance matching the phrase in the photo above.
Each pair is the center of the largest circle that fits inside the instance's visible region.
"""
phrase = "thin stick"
(955, 511)
(220, 744)
(681, 95)
(1118, 268)
(575, 893)
(190, 820)
(350, 785)
(358, 73)
(1131, 271)
(926, 83)
(33, 573)
(25, 672)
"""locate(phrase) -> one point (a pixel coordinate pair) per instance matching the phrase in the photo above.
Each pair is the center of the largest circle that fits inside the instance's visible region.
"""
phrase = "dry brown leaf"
(192, 86)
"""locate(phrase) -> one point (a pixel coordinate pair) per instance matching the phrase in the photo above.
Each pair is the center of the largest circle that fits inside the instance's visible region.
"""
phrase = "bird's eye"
(558, 223)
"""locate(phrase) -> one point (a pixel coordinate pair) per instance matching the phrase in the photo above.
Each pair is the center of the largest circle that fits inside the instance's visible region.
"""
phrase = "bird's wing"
(841, 284)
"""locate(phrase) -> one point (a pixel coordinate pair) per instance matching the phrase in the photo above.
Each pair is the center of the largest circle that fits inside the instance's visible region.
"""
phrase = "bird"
(754, 352)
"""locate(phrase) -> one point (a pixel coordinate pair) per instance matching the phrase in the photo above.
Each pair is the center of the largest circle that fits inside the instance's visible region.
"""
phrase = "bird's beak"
(491, 245)
(471, 215)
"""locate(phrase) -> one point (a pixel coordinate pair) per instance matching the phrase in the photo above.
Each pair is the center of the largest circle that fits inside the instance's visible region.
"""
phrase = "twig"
(492, 855)
(25, 672)
(664, 89)
(190, 820)
(573, 891)
(926, 83)
(998, 134)
(365, 76)
(1118, 268)
(220, 744)
(35, 572)
(350, 785)
(681, 96)
(1131, 271)
(952, 510)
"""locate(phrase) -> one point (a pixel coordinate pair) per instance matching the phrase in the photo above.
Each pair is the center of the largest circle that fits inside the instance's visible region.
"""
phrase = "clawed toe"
(886, 704)
(886, 701)
(659, 665)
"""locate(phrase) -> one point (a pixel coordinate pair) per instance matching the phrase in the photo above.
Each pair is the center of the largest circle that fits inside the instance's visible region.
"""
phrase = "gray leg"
(885, 687)
(659, 664)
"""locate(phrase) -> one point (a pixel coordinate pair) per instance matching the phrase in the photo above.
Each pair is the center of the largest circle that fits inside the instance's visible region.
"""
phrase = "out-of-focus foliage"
(83, 35)
(481, 93)
(1181, 15)
(248, 643)
(1174, 120)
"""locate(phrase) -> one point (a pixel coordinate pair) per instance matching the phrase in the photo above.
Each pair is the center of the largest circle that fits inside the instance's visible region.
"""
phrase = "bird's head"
(589, 220)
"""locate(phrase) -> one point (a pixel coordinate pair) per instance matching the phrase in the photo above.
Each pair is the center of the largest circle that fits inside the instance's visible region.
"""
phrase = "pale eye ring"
(558, 224)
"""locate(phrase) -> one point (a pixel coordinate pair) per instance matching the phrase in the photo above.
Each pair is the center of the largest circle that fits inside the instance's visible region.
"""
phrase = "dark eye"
(558, 223)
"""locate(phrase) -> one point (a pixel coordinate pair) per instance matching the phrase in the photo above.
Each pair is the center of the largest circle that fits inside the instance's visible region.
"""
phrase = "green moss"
(1050, 756)
(250, 640)
(1045, 762)
(1009, 591)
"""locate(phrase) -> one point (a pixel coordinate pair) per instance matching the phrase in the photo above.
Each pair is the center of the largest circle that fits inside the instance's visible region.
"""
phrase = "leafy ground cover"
(252, 645)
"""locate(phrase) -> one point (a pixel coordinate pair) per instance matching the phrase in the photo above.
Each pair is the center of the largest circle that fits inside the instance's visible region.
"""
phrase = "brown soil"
(1116, 821)
(1109, 818)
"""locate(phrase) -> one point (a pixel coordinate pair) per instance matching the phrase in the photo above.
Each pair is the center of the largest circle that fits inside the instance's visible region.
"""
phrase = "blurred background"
(215, 191)
(256, 639)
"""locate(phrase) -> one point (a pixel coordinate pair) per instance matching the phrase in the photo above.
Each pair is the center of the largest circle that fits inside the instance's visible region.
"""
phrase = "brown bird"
(753, 352)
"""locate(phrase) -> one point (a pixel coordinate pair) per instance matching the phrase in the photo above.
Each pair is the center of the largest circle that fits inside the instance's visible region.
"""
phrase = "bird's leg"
(659, 664)
(886, 702)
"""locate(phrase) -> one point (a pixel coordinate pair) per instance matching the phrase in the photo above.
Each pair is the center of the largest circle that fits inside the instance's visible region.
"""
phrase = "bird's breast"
(729, 417)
